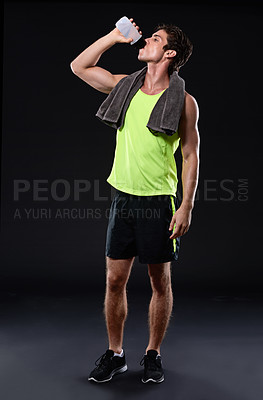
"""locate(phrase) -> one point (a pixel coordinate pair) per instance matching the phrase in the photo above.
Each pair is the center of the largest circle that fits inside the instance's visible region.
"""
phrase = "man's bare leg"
(115, 304)
(161, 303)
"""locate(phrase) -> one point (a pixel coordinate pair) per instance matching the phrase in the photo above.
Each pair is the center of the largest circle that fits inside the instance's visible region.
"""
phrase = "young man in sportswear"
(140, 171)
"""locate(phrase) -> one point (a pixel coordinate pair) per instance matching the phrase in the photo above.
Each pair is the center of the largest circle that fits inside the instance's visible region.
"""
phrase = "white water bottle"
(128, 29)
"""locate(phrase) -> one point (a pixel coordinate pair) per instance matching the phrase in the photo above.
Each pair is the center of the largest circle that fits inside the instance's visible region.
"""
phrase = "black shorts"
(139, 225)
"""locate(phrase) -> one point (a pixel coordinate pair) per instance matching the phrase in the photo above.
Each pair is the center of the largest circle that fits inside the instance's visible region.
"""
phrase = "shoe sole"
(152, 380)
(114, 372)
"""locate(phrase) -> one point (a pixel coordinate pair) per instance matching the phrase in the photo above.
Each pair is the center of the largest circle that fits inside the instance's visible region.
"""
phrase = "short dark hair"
(176, 40)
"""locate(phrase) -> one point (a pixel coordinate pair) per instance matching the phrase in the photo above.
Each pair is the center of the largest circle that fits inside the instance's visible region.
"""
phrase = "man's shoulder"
(190, 101)
(190, 106)
(188, 96)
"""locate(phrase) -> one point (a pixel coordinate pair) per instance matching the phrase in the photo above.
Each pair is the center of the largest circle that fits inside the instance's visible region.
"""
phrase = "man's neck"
(156, 79)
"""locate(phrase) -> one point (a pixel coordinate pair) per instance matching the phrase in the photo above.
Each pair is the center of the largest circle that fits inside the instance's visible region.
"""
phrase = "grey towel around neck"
(166, 113)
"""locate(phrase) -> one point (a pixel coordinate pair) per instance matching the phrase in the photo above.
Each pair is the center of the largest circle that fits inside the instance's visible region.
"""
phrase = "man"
(144, 166)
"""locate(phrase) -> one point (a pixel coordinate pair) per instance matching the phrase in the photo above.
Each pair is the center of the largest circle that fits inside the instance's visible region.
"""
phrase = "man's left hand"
(182, 220)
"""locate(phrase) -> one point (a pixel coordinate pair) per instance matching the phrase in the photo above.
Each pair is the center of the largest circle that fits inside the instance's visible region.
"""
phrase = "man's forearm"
(190, 173)
(91, 55)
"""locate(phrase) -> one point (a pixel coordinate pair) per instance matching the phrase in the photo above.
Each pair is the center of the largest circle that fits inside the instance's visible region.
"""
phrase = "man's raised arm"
(84, 65)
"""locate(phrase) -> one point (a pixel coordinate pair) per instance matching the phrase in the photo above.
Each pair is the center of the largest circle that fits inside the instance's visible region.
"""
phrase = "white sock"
(119, 355)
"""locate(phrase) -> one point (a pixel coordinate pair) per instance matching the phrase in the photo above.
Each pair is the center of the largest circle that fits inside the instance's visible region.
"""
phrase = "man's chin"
(140, 57)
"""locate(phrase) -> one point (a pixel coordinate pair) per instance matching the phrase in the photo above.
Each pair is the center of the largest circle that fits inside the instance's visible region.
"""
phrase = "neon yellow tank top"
(144, 162)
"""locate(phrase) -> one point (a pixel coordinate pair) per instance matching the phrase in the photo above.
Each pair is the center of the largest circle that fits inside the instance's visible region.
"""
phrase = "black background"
(50, 133)
(52, 274)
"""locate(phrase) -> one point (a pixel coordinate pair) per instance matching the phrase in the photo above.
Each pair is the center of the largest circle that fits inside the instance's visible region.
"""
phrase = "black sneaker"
(108, 366)
(153, 371)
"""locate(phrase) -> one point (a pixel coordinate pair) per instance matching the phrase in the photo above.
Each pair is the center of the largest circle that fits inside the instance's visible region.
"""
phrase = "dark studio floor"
(50, 340)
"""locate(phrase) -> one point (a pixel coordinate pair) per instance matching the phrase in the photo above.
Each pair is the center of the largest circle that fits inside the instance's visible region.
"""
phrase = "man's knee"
(118, 272)
(115, 282)
(160, 277)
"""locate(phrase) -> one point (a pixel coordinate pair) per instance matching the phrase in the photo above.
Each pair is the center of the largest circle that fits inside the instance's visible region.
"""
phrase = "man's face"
(153, 50)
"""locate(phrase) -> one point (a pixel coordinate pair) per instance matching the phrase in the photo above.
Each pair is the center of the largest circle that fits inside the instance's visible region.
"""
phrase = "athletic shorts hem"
(165, 260)
(143, 260)
(115, 257)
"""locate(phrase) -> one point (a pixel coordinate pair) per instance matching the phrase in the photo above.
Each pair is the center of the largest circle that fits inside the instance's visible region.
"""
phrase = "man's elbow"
(73, 68)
